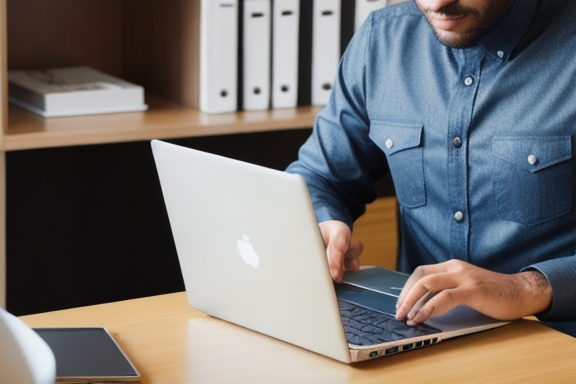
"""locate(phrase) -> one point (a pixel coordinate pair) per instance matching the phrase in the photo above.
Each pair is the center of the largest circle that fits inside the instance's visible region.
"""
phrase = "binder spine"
(285, 52)
(218, 56)
(325, 48)
(256, 54)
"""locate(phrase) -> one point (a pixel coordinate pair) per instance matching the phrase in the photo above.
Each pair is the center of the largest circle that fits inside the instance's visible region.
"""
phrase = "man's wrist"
(537, 292)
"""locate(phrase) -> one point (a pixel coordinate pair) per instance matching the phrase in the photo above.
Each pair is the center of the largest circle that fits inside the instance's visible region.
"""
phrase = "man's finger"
(437, 305)
(420, 303)
(416, 277)
(336, 263)
(336, 236)
(352, 257)
(414, 297)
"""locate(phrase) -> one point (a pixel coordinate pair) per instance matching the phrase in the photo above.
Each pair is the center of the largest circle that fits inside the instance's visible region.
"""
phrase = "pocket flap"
(532, 153)
(395, 137)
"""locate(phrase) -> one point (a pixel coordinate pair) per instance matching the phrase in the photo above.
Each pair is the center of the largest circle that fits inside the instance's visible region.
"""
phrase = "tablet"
(88, 355)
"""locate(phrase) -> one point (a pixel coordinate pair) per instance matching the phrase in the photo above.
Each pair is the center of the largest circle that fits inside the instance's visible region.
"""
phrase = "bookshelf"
(148, 42)
(152, 43)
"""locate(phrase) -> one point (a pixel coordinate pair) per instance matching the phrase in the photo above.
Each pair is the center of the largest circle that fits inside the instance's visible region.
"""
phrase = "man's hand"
(343, 252)
(501, 296)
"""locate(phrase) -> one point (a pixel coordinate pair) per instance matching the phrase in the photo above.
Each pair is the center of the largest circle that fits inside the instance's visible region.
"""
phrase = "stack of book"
(73, 91)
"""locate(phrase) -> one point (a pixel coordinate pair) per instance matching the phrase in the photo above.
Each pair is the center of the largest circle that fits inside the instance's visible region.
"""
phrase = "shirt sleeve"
(339, 162)
(561, 274)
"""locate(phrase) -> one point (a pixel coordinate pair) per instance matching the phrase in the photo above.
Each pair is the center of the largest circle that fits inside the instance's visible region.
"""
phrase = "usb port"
(392, 350)
(408, 347)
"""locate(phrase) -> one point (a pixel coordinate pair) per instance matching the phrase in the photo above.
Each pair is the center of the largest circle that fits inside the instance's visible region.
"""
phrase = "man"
(471, 105)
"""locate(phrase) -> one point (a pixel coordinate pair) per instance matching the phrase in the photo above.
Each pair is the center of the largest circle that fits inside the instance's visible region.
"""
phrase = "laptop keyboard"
(367, 327)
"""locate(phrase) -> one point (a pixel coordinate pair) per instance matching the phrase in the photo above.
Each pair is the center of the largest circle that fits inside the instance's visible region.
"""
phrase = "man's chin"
(456, 40)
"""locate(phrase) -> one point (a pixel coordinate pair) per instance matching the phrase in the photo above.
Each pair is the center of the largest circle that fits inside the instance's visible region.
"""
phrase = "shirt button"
(532, 160)
(389, 143)
(500, 54)
(458, 216)
(468, 81)
(457, 142)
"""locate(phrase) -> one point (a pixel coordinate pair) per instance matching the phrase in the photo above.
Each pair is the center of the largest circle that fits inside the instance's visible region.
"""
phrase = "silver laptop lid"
(249, 253)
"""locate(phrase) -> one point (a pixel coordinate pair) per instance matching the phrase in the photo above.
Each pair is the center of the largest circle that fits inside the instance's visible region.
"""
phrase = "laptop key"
(364, 326)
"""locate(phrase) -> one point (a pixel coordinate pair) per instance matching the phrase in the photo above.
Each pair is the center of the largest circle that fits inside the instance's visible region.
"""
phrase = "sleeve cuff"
(561, 274)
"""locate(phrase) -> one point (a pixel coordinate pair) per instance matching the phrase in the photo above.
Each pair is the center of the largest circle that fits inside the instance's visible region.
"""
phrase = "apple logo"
(247, 252)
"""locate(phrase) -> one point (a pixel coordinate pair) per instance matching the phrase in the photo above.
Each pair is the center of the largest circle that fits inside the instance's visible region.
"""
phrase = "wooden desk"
(170, 342)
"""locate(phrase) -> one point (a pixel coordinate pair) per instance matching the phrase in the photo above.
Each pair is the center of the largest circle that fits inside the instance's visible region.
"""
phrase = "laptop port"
(427, 342)
(373, 353)
(419, 344)
(407, 347)
(392, 350)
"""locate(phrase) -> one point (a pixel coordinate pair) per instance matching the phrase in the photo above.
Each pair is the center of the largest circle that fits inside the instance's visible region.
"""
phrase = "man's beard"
(473, 35)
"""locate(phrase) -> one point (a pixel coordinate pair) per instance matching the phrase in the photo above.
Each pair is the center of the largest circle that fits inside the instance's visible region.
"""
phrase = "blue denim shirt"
(479, 142)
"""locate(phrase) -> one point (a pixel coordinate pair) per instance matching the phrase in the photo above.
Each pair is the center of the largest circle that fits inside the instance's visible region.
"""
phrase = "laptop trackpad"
(365, 298)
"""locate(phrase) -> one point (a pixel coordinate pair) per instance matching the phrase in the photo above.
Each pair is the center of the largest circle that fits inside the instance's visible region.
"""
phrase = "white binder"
(256, 54)
(363, 9)
(285, 49)
(325, 48)
(218, 56)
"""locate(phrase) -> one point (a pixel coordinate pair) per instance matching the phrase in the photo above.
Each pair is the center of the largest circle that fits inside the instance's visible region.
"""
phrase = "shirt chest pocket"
(402, 145)
(532, 177)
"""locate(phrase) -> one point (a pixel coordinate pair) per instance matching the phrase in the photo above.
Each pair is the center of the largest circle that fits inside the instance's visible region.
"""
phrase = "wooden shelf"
(164, 120)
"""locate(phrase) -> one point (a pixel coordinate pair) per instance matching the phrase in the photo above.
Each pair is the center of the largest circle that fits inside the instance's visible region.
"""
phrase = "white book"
(218, 56)
(325, 48)
(73, 91)
(285, 49)
(256, 54)
(363, 9)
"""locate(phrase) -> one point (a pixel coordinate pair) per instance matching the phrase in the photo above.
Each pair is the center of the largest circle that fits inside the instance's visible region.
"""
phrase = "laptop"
(251, 253)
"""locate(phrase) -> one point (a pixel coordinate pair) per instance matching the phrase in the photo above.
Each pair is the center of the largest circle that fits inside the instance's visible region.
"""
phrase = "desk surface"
(170, 342)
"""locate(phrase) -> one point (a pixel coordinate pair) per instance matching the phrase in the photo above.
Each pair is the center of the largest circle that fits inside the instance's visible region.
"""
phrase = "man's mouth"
(445, 21)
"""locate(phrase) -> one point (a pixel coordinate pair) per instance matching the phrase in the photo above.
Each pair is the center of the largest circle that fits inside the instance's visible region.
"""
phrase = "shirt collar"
(506, 34)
